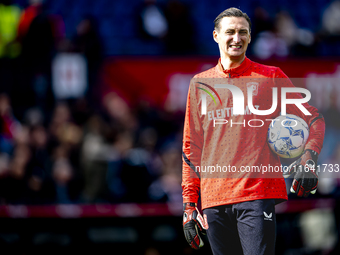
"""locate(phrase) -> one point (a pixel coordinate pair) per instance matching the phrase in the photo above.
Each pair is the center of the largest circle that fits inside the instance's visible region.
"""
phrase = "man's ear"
(249, 38)
(215, 35)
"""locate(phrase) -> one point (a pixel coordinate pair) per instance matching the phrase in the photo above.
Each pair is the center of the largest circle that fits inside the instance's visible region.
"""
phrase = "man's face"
(233, 37)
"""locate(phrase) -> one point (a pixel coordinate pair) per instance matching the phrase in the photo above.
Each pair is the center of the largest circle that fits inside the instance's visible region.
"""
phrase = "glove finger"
(187, 236)
(191, 234)
(199, 238)
(200, 222)
(305, 186)
(308, 184)
(315, 185)
(295, 186)
(302, 192)
(193, 242)
(306, 193)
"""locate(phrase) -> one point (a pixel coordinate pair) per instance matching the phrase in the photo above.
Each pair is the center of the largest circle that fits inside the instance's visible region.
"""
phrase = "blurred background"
(92, 100)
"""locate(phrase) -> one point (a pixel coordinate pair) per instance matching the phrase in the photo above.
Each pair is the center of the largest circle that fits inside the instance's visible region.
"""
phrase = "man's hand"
(193, 225)
(305, 174)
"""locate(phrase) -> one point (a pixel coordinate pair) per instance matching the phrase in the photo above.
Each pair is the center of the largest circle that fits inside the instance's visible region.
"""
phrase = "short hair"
(231, 12)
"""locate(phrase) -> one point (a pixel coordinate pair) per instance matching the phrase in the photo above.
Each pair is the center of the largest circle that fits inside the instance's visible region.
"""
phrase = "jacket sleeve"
(192, 147)
(315, 121)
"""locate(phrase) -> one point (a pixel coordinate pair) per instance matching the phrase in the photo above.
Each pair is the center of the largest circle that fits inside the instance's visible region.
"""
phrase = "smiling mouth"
(235, 46)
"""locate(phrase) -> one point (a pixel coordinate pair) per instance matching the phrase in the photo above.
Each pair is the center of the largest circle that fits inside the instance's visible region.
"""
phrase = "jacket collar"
(234, 72)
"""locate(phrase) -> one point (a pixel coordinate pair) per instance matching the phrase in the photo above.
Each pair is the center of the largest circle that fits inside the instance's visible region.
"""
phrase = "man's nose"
(237, 38)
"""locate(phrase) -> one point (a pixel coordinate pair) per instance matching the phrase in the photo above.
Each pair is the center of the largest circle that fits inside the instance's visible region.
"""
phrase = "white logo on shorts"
(268, 217)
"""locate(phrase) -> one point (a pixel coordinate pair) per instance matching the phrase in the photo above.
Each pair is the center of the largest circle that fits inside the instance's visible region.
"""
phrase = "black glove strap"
(189, 204)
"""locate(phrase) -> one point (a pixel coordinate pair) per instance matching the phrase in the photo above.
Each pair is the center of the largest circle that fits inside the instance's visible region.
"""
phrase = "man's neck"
(229, 63)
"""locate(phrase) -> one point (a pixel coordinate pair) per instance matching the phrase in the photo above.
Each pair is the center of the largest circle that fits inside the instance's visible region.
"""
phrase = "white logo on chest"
(254, 86)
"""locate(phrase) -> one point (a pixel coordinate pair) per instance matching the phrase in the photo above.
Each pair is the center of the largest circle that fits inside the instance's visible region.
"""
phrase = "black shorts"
(247, 228)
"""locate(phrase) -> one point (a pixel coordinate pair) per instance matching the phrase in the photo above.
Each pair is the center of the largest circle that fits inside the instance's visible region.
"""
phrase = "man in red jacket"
(220, 142)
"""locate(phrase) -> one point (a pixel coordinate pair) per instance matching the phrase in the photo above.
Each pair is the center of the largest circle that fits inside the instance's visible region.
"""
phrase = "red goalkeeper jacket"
(216, 157)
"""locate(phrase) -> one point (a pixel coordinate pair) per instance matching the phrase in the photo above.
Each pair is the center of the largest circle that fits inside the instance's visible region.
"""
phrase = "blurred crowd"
(281, 35)
(279, 29)
(92, 148)
(81, 155)
(182, 27)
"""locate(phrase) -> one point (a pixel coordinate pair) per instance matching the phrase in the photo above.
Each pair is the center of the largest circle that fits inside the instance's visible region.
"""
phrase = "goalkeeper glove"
(193, 225)
(305, 174)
